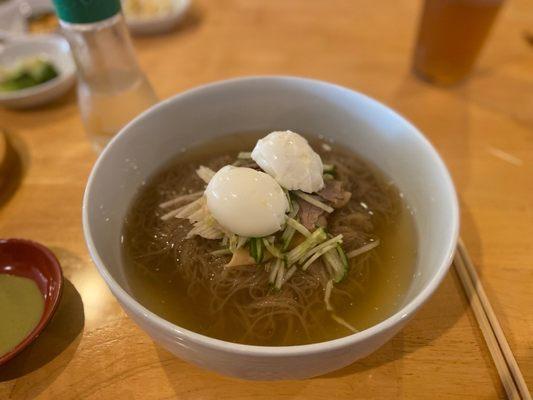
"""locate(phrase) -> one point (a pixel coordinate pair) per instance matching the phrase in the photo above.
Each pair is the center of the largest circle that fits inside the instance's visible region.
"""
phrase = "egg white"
(290, 160)
(246, 202)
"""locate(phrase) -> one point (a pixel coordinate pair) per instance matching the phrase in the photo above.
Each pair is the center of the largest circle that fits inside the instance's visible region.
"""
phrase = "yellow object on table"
(483, 130)
(146, 8)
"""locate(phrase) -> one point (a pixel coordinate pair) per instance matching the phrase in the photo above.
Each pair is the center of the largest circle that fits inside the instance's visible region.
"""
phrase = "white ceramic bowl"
(159, 23)
(51, 47)
(264, 104)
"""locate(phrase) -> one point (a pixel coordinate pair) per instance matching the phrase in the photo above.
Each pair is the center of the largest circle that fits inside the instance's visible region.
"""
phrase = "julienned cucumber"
(256, 249)
(317, 237)
(344, 260)
(334, 261)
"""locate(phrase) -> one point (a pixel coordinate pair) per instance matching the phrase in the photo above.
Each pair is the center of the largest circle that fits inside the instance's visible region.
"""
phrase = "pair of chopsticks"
(510, 374)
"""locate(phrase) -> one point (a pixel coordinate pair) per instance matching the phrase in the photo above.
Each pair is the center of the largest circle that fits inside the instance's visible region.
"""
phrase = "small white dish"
(12, 21)
(14, 16)
(159, 23)
(51, 47)
(36, 7)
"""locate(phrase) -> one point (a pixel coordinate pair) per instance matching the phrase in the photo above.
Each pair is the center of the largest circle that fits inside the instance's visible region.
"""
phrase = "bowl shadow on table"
(210, 385)
(13, 168)
(56, 344)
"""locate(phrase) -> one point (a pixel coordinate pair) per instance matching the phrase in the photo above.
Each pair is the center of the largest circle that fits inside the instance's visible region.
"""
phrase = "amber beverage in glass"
(450, 37)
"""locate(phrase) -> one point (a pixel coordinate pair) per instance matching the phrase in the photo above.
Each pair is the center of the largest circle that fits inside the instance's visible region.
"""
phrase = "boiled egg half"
(246, 202)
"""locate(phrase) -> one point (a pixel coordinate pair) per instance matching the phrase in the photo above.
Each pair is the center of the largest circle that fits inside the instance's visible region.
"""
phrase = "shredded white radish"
(273, 273)
(329, 269)
(272, 249)
(205, 174)
(295, 208)
(204, 224)
(245, 155)
(330, 257)
(180, 199)
(299, 227)
(363, 249)
(317, 255)
(314, 201)
(185, 211)
(221, 252)
(289, 273)
(279, 277)
(170, 214)
(342, 322)
(191, 208)
(327, 295)
(199, 215)
(333, 241)
(205, 230)
(241, 241)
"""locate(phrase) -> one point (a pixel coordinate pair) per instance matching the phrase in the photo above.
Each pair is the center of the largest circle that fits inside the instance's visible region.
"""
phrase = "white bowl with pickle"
(35, 71)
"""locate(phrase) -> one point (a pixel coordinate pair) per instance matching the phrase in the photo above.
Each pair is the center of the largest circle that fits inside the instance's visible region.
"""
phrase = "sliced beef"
(311, 216)
(334, 193)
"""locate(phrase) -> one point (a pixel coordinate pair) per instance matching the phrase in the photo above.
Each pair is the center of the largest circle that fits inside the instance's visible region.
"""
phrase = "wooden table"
(483, 129)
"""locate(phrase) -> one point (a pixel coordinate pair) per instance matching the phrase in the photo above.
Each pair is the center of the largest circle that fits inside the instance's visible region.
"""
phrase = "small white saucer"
(51, 47)
(160, 23)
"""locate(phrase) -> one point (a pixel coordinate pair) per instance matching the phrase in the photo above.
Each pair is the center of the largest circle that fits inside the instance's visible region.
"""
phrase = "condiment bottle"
(112, 89)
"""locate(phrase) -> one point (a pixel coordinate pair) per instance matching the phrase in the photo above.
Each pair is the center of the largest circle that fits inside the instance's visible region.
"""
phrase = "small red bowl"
(32, 260)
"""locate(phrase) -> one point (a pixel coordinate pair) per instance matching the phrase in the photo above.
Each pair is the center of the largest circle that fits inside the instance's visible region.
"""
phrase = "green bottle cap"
(86, 11)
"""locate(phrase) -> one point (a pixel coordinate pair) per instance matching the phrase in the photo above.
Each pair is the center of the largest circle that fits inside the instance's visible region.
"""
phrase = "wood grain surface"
(2, 150)
(483, 129)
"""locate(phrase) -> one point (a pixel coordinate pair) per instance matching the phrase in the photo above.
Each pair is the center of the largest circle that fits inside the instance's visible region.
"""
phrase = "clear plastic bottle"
(112, 89)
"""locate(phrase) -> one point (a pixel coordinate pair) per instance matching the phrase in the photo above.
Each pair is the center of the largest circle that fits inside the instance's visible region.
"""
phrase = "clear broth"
(155, 283)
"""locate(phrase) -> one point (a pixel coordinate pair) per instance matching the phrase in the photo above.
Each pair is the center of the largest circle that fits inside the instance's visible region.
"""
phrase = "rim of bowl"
(54, 299)
(63, 76)
(405, 312)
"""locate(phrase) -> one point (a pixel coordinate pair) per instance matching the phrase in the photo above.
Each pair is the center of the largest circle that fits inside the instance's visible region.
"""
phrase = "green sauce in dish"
(21, 307)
